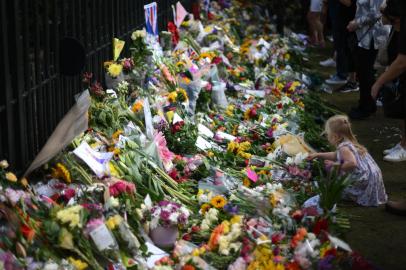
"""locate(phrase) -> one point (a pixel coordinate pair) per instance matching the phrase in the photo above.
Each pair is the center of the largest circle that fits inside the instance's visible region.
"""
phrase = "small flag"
(151, 18)
(118, 46)
(180, 14)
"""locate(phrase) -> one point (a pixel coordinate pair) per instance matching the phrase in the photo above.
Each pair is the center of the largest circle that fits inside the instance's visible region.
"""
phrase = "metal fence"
(34, 96)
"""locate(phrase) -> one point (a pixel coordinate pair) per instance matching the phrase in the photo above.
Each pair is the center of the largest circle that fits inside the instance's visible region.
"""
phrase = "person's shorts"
(316, 5)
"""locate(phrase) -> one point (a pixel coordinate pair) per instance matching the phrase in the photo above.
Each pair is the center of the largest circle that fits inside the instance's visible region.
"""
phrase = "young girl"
(367, 188)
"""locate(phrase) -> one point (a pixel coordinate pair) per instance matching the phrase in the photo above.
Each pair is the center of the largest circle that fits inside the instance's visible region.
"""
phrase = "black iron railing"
(34, 96)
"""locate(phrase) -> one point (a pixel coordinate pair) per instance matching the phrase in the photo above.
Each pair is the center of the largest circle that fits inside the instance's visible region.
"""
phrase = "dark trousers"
(344, 57)
(365, 60)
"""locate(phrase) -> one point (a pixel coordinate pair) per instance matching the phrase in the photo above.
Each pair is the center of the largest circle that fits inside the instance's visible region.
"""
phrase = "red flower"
(177, 127)
(187, 237)
(195, 229)
(279, 106)
(69, 193)
(121, 187)
(217, 60)
(297, 215)
(27, 232)
(175, 33)
(277, 237)
(174, 174)
(321, 225)
(253, 113)
(210, 16)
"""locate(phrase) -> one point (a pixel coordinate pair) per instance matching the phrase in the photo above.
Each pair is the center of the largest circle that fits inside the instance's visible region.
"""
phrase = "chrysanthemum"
(218, 201)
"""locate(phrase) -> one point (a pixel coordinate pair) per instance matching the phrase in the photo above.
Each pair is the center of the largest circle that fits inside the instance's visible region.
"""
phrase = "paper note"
(97, 161)
(205, 131)
(102, 238)
(226, 136)
(203, 144)
(252, 175)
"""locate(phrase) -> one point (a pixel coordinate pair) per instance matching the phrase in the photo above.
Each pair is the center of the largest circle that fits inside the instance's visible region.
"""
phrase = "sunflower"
(61, 172)
(246, 182)
(218, 201)
(172, 97)
(114, 70)
(183, 94)
(204, 208)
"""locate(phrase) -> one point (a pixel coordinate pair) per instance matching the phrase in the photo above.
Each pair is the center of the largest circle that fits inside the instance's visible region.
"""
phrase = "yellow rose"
(78, 264)
(11, 177)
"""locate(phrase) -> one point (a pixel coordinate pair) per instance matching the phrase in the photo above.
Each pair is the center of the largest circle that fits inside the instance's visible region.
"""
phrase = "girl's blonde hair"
(340, 125)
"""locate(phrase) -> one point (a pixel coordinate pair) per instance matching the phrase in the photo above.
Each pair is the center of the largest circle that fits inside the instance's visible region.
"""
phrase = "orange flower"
(215, 236)
(188, 267)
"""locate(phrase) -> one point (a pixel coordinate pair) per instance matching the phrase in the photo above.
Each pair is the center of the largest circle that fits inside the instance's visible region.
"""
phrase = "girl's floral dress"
(367, 188)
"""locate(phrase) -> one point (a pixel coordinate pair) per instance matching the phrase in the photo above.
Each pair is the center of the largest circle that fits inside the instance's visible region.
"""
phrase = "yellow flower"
(183, 94)
(218, 201)
(117, 134)
(232, 146)
(78, 264)
(70, 215)
(230, 110)
(172, 96)
(244, 155)
(204, 208)
(226, 225)
(210, 154)
(66, 239)
(61, 172)
(236, 219)
(24, 182)
(114, 70)
(245, 146)
(11, 177)
(137, 106)
(246, 182)
(113, 222)
(169, 116)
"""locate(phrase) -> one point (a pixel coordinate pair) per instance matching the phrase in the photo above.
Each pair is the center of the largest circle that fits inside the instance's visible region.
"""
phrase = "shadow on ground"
(376, 234)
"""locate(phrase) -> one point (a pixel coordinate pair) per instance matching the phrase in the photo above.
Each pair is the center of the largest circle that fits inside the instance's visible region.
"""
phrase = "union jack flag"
(151, 18)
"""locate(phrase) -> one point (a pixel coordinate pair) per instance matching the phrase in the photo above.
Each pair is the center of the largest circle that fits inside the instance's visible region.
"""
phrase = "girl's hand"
(352, 26)
(313, 156)
(329, 163)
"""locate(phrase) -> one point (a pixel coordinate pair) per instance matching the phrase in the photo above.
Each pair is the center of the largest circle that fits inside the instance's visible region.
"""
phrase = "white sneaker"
(397, 156)
(328, 63)
(393, 149)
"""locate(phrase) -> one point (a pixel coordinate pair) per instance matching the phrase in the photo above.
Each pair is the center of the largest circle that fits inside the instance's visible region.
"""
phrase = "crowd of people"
(364, 33)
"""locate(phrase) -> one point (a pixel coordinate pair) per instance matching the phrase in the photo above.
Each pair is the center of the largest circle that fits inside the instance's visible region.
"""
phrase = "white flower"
(112, 203)
(174, 217)
(138, 34)
(4, 164)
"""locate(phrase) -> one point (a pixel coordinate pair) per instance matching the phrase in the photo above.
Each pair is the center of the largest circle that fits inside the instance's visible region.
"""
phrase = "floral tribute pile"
(195, 158)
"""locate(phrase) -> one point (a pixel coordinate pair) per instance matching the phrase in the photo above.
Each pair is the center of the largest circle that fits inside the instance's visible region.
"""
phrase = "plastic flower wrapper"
(123, 234)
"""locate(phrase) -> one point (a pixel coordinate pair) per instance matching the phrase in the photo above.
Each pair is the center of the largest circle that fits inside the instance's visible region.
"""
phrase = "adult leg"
(365, 71)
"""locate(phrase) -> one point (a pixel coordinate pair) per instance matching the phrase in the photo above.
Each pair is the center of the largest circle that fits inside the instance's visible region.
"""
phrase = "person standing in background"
(315, 25)
(371, 36)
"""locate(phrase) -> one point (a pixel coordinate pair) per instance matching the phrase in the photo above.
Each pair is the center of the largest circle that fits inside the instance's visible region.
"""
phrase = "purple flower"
(163, 203)
(165, 215)
(269, 133)
(229, 208)
(326, 263)
(182, 219)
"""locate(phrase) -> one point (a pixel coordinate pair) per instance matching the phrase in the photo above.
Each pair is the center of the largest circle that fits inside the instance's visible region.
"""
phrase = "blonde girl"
(367, 188)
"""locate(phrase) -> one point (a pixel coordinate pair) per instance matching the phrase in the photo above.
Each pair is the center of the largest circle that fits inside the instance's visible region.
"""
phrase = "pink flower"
(121, 187)
(164, 153)
(93, 224)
